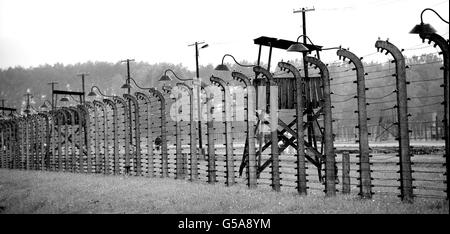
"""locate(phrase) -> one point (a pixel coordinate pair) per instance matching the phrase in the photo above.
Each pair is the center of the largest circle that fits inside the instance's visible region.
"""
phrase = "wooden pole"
(346, 172)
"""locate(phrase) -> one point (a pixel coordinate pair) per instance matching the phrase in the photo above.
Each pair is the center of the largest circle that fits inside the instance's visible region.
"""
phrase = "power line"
(381, 86)
(416, 81)
(432, 96)
(384, 96)
(432, 104)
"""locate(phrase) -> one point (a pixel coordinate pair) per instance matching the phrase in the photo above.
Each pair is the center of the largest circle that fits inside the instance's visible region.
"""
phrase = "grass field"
(54, 192)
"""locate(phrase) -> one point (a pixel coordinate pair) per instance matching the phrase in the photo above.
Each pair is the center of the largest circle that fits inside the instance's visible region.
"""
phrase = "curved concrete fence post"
(36, 131)
(2, 144)
(45, 141)
(112, 104)
(97, 164)
(192, 133)
(105, 165)
(444, 46)
(228, 134)
(330, 171)
(78, 117)
(365, 183)
(250, 154)
(406, 186)
(300, 99)
(70, 143)
(164, 150)
(67, 117)
(210, 134)
(149, 142)
(121, 101)
(86, 121)
(273, 105)
(137, 133)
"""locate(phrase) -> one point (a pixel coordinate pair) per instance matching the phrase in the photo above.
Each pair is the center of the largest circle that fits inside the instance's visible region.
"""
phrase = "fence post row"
(406, 189)
(364, 161)
(39, 142)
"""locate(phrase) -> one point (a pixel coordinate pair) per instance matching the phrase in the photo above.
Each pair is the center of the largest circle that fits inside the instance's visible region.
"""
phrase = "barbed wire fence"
(102, 137)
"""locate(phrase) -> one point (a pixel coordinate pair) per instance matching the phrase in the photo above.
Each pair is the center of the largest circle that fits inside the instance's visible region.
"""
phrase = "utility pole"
(128, 72)
(198, 95)
(305, 53)
(83, 75)
(196, 55)
(129, 91)
(53, 88)
(27, 108)
(305, 67)
(308, 108)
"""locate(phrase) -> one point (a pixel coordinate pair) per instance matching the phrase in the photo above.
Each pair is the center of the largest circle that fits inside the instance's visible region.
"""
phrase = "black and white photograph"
(208, 108)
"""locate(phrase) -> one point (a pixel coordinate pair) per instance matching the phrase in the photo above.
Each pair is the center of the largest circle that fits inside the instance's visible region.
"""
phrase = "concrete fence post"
(228, 134)
(406, 188)
(251, 118)
(363, 133)
(330, 172)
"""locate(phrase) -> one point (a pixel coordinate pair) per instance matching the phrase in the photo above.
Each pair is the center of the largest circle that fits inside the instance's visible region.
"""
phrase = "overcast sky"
(71, 31)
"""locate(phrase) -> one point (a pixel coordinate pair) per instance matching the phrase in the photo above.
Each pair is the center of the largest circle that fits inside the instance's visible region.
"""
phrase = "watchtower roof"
(281, 43)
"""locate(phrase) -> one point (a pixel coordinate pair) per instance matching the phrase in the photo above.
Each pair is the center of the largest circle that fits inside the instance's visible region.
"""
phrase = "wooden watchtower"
(313, 109)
